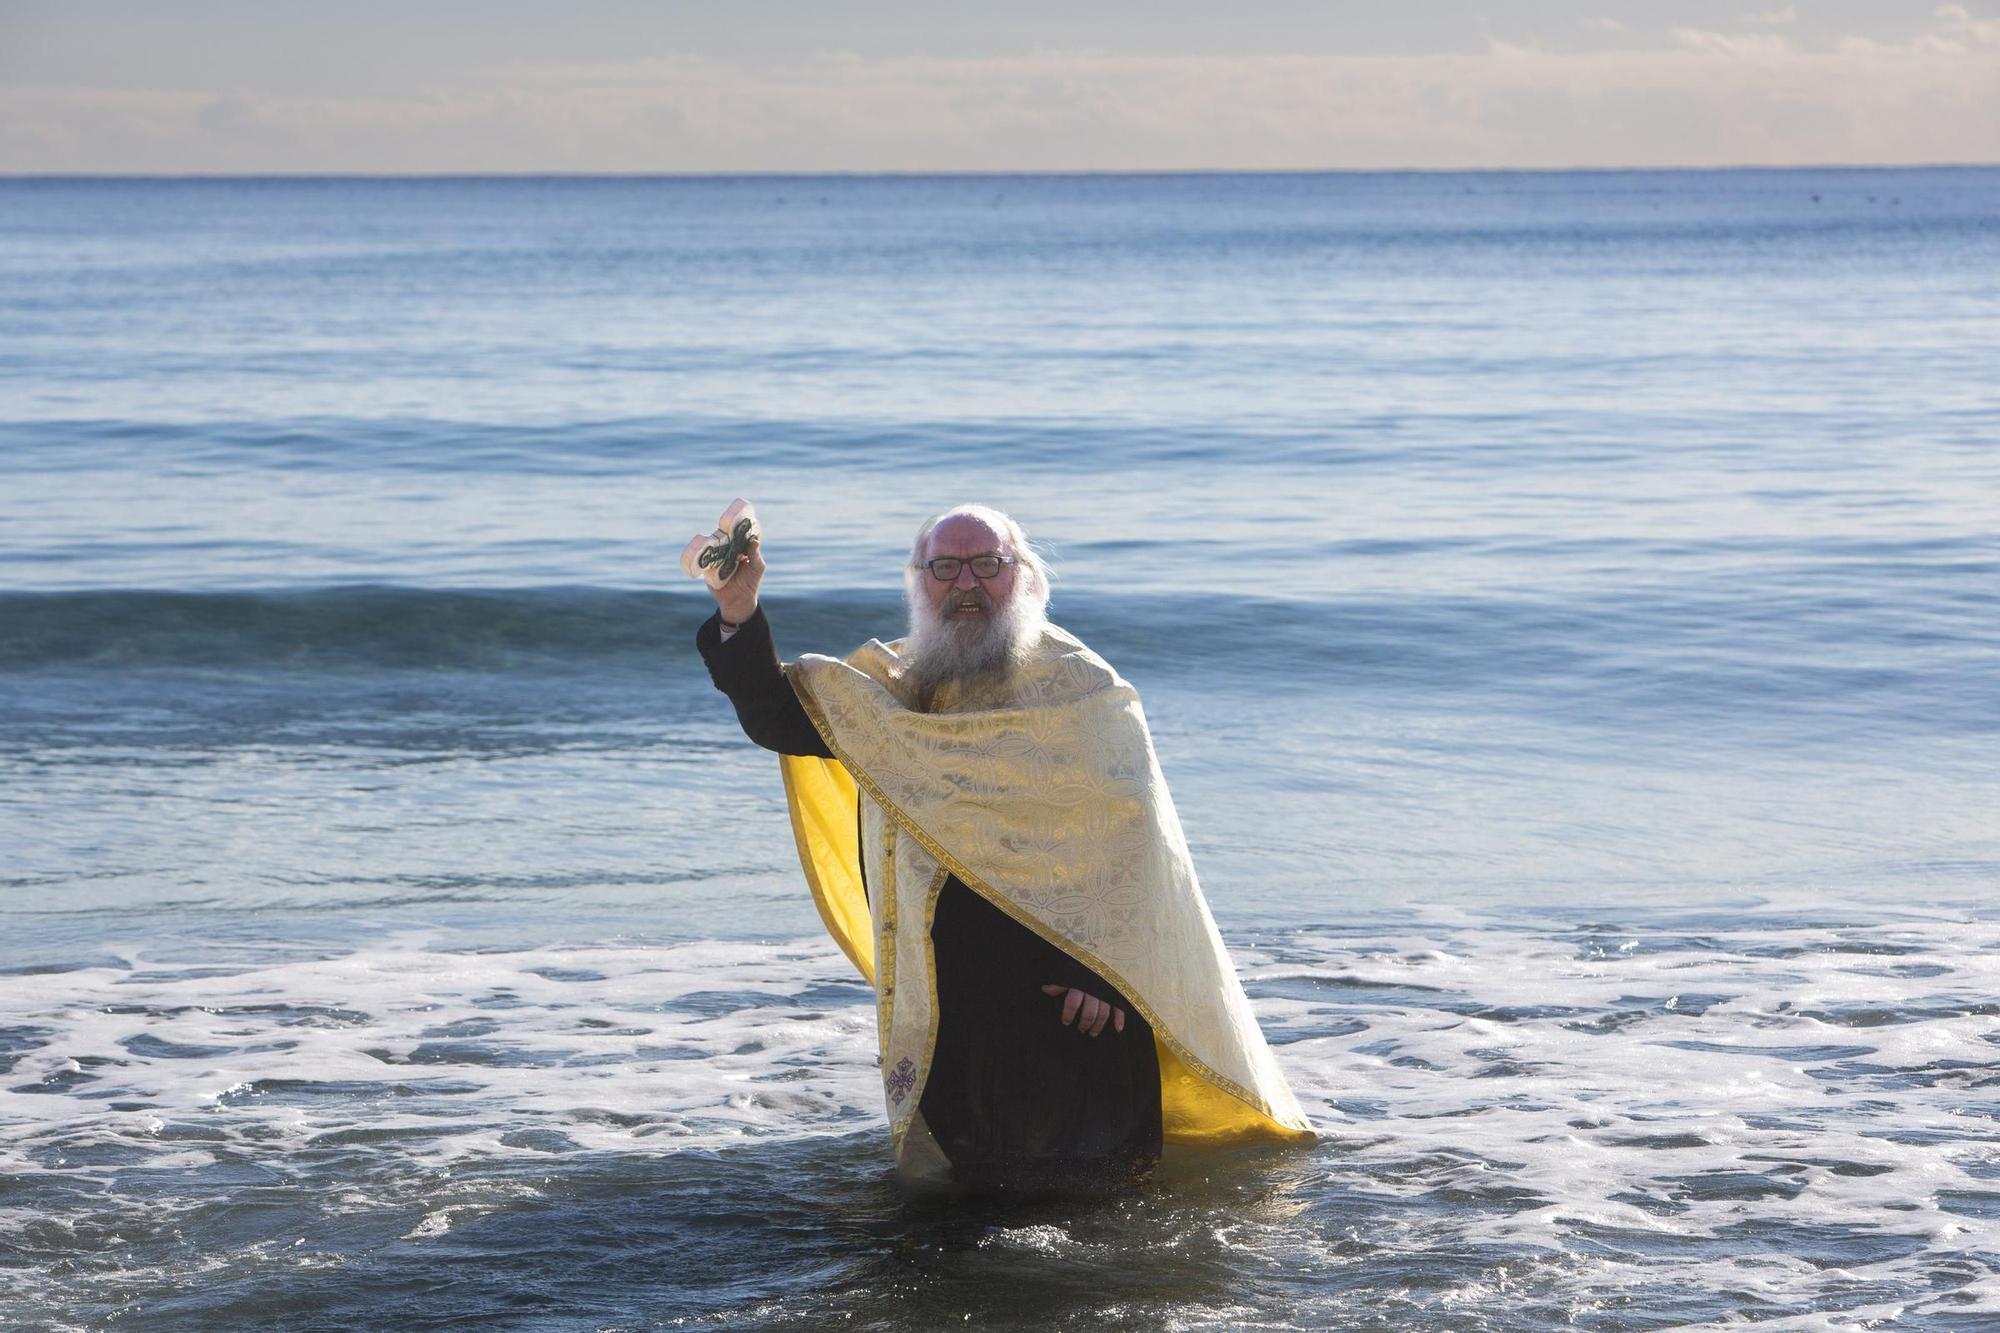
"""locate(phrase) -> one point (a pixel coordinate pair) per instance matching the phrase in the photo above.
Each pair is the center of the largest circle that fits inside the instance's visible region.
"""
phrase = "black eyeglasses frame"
(958, 561)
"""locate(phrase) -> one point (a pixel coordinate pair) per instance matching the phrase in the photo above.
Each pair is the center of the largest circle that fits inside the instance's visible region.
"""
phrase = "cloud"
(1708, 98)
(1959, 31)
(1737, 45)
(1773, 18)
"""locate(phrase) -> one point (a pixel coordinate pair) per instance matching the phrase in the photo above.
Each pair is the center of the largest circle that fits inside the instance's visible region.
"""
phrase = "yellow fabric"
(1048, 801)
(823, 797)
(1197, 1112)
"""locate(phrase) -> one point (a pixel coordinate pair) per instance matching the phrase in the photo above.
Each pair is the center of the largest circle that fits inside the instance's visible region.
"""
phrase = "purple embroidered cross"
(901, 1079)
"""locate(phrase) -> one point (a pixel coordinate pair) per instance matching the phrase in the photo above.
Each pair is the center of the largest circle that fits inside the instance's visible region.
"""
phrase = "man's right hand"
(1086, 1010)
(737, 599)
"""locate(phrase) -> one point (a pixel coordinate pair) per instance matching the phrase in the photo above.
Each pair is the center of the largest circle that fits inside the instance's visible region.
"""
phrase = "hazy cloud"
(1740, 45)
(1705, 98)
(1959, 31)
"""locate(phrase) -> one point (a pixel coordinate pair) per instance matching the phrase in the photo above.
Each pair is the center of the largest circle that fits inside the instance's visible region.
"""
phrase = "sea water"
(1566, 607)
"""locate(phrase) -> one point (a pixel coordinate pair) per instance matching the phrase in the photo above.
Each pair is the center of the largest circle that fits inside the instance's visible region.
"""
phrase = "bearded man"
(987, 835)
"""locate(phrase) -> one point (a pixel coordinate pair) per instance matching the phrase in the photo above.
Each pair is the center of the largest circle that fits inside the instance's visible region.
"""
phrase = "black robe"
(1014, 1097)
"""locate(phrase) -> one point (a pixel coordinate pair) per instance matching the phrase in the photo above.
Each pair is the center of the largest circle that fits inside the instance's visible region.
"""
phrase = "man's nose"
(966, 578)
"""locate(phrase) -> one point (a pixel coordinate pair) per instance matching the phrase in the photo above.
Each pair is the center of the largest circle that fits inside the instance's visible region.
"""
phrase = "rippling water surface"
(1565, 606)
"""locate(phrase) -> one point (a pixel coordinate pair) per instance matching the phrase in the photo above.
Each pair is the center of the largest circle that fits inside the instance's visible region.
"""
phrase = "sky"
(479, 86)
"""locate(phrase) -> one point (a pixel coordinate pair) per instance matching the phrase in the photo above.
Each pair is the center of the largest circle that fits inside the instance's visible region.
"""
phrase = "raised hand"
(1092, 1012)
(737, 598)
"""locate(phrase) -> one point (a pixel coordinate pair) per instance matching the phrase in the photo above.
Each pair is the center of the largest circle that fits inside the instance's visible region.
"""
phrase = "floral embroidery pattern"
(1049, 800)
(901, 1079)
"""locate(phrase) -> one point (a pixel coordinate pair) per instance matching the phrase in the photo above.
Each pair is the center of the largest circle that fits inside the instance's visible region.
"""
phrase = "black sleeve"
(1061, 969)
(745, 667)
(997, 952)
(1050, 964)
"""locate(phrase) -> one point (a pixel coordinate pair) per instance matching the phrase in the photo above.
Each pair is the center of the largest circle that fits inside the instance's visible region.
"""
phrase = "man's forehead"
(965, 534)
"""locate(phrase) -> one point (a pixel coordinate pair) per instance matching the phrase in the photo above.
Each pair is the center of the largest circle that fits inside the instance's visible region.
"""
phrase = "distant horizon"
(1004, 174)
(902, 87)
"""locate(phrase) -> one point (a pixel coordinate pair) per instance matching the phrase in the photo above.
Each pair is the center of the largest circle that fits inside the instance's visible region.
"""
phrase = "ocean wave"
(1714, 1117)
(352, 626)
(1690, 652)
(625, 446)
(394, 626)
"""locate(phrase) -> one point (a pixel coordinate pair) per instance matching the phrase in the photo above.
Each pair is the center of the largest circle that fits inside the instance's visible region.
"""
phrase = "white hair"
(937, 651)
(1034, 580)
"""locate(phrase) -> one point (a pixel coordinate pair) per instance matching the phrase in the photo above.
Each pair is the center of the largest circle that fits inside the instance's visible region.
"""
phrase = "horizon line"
(988, 173)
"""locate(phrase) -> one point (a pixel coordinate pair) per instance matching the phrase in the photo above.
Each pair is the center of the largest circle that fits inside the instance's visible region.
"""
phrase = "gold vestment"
(1049, 803)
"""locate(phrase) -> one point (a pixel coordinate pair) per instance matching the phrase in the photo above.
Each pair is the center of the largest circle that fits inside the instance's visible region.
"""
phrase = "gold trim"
(803, 688)
(885, 944)
(898, 1131)
(930, 980)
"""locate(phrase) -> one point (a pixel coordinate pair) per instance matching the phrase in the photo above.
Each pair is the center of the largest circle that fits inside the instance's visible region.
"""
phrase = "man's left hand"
(1092, 1012)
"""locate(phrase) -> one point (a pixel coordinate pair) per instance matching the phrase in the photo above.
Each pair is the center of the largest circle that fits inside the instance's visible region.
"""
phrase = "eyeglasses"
(945, 568)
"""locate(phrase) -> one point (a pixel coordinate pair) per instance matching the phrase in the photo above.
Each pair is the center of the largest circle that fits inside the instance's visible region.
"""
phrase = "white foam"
(1728, 1059)
(1633, 1095)
(407, 1025)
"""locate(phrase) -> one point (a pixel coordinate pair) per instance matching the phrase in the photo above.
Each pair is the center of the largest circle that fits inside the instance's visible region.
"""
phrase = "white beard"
(943, 649)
